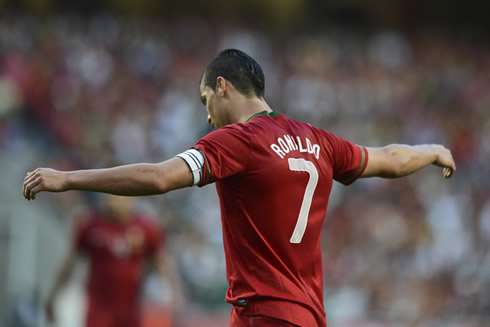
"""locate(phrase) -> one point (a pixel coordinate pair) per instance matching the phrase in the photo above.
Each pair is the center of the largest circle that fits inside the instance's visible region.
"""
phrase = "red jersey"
(117, 253)
(273, 176)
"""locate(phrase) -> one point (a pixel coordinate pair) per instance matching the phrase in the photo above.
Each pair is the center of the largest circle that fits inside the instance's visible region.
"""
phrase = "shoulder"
(237, 134)
(236, 129)
(307, 128)
(323, 133)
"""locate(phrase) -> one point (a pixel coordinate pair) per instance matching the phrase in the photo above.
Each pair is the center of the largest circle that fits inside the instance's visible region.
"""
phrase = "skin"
(225, 105)
(118, 208)
(398, 160)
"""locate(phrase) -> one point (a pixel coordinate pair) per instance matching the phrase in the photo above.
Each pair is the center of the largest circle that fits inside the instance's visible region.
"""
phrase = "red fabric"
(117, 253)
(276, 310)
(239, 319)
(96, 317)
(261, 197)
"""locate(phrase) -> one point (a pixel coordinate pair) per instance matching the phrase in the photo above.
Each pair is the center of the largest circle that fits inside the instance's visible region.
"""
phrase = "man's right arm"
(399, 160)
(130, 180)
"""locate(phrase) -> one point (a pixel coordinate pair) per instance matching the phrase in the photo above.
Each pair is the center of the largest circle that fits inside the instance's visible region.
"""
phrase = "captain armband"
(195, 161)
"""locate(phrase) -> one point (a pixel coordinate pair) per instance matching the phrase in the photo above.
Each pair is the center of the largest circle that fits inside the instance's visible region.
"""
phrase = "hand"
(446, 161)
(43, 179)
(50, 313)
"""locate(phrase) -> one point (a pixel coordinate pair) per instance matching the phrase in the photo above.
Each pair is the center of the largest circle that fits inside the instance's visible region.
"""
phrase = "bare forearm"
(409, 159)
(137, 179)
(398, 160)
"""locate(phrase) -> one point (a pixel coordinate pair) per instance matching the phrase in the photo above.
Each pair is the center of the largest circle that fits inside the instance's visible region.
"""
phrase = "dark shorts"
(239, 319)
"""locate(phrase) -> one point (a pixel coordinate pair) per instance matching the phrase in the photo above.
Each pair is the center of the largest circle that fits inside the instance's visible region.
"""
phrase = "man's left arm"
(397, 160)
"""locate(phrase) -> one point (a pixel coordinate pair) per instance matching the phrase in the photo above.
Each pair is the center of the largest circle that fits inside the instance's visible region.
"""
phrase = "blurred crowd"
(95, 92)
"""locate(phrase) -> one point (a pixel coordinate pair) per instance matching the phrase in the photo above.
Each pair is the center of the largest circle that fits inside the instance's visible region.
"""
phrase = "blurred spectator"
(118, 242)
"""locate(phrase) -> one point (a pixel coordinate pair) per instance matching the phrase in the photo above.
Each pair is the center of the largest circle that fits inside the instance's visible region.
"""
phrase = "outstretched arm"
(398, 160)
(132, 180)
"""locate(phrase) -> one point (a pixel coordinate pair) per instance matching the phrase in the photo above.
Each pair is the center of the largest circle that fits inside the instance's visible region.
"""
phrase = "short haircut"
(240, 69)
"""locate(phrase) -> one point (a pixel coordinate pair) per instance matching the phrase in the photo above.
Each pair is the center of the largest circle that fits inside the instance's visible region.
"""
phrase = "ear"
(221, 86)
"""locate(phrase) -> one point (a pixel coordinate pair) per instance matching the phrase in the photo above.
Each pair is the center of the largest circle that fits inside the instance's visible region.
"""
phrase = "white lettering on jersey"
(290, 141)
(277, 150)
(283, 145)
(288, 144)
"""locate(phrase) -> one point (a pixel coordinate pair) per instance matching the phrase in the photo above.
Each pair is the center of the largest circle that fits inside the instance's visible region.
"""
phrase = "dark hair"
(240, 69)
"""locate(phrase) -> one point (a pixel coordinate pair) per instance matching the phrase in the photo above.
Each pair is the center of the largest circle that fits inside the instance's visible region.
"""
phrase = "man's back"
(274, 177)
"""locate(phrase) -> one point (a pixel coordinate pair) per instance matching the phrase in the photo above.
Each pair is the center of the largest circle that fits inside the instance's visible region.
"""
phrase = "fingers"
(24, 185)
(30, 189)
(447, 172)
(31, 185)
(25, 189)
(446, 161)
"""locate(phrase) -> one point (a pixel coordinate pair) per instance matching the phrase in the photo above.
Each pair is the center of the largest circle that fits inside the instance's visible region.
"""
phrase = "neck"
(118, 217)
(249, 107)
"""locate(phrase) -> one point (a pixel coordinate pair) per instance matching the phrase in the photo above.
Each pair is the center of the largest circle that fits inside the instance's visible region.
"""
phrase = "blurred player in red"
(118, 243)
(273, 176)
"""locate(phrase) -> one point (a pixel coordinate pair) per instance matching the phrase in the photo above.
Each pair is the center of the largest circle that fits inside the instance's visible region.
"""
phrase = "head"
(119, 208)
(232, 70)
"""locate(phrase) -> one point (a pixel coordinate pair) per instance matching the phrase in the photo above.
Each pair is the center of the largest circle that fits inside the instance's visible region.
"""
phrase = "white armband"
(195, 161)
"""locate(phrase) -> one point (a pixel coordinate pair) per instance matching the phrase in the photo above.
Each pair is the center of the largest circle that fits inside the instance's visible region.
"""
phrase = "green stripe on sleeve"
(359, 170)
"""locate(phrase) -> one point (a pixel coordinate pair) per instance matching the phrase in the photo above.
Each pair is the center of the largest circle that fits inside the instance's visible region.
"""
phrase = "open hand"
(43, 179)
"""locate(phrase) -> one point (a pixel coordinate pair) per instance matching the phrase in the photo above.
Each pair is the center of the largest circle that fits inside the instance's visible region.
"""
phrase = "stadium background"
(88, 84)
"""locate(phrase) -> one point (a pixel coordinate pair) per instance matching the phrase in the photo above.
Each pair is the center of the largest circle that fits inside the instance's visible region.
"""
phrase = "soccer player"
(273, 176)
(118, 242)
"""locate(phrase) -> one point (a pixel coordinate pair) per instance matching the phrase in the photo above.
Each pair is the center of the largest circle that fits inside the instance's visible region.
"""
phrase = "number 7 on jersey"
(309, 167)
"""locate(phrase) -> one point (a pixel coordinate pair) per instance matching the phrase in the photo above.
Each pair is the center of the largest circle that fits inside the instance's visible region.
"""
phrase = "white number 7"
(309, 167)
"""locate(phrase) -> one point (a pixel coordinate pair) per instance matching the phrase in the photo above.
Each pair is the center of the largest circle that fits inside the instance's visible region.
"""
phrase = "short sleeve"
(349, 160)
(226, 152)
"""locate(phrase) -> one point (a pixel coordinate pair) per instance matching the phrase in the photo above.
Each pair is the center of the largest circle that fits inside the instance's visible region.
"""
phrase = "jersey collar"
(271, 114)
